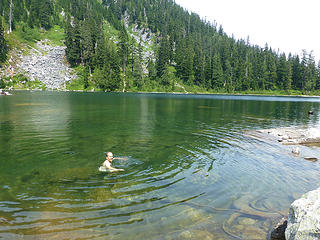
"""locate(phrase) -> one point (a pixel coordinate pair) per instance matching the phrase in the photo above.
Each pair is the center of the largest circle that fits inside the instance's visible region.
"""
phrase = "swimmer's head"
(109, 155)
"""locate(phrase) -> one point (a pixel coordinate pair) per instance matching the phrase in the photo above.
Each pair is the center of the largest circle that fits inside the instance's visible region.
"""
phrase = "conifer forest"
(147, 45)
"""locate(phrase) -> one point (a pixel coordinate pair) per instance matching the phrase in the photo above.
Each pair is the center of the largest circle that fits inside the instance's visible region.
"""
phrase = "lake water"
(192, 172)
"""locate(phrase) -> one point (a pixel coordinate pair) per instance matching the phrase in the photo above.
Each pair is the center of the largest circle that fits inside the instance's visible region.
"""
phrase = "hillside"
(151, 45)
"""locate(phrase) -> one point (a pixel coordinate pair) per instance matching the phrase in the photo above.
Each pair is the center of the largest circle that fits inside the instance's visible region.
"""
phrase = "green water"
(192, 172)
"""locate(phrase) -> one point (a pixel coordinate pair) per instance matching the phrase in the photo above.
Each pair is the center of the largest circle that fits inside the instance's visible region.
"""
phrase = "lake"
(191, 171)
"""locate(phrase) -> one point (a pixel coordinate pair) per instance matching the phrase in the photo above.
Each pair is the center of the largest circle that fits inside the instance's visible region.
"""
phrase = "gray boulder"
(304, 218)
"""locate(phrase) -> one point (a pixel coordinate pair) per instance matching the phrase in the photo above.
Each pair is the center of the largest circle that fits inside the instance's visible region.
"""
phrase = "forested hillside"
(187, 51)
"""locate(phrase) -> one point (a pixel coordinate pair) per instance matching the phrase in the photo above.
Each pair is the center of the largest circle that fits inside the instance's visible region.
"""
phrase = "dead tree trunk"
(10, 16)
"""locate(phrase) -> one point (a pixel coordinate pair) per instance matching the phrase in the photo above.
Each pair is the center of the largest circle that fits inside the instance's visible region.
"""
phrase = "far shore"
(175, 93)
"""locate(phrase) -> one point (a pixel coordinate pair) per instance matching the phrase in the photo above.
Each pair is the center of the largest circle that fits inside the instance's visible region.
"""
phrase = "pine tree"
(152, 71)
(217, 73)
(297, 73)
(137, 68)
(208, 73)
(11, 16)
(124, 53)
(249, 82)
(163, 56)
(318, 76)
(45, 13)
(3, 45)
(87, 40)
(228, 77)
(100, 52)
(309, 72)
(271, 73)
(73, 39)
(283, 73)
(288, 84)
(199, 67)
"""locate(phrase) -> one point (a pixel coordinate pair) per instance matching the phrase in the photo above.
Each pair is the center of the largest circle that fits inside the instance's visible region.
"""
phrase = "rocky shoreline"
(299, 138)
(294, 135)
(303, 221)
(48, 65)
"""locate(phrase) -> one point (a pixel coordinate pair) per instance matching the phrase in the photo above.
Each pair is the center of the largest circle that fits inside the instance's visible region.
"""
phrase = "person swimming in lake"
(107, 163)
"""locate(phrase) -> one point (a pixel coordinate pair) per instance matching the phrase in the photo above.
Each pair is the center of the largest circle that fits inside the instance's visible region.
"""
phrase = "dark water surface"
(191, 171)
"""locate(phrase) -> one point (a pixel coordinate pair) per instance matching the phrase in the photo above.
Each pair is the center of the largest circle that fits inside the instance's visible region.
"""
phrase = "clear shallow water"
(192, 173)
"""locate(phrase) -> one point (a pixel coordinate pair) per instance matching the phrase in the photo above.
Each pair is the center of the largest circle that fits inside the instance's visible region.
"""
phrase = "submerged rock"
(278, 233)
(296, 151)
(196, 234)
(304, 218)
(311, 159)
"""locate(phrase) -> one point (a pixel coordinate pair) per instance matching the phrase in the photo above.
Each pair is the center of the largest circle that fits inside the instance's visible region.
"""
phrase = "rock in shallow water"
(195, 234)
(278, 233)
(304, 218)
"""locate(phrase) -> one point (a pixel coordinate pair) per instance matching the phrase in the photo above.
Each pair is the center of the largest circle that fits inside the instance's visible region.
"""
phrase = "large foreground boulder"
(304, 218)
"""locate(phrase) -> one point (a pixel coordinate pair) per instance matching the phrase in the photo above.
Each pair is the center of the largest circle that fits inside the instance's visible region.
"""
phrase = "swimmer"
(107, 163)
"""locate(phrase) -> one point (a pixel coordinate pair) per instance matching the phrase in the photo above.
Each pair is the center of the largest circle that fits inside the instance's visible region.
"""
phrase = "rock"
(195, 234)
(278, 232)
(304, 218)
(290, 135)
(296, 151)
(311, 159)
(46, 63)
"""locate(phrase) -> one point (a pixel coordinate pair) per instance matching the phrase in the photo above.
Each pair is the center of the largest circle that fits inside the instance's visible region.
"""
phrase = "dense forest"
(187, 50)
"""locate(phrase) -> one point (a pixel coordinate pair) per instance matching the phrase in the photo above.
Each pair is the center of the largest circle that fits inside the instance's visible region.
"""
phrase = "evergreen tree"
(163, 56)
(249, 82)
(217, 73)
(87, 40)
(208, 73)
(271, 73)
(297, 73)
(137, 73)
(309, 75)
(73, 39)
(45, 12)
(228, 77)
(3, 45)
(124, 53)
(283, 73)
(318, 76)
(152, 72)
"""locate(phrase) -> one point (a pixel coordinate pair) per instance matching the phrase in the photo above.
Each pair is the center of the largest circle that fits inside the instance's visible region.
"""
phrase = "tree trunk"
(10, 17)
(125, 73)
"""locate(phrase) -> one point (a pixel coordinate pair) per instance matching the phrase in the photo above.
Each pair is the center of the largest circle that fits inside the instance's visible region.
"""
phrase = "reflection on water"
(191, 173)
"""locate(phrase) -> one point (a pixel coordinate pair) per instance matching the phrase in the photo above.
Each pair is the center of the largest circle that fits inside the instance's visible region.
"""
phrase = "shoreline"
(173, 93)
(294, 135)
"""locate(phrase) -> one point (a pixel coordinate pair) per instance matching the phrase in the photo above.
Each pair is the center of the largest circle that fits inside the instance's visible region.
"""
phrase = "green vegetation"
(56, 35)
(20, 81)
(3, 45)
(189, 54)
(27, 34)
(82, 82)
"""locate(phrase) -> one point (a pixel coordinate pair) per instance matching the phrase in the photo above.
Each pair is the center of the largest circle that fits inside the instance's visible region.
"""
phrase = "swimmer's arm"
(121, 158)
(114, 169)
